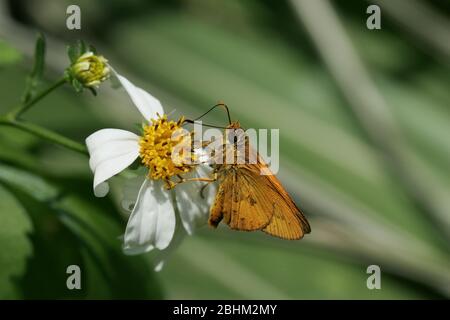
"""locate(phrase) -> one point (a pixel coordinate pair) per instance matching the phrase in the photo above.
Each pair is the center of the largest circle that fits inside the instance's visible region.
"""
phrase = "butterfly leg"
(202, 190)
(172, 184)
(212, 179)
(209, 180)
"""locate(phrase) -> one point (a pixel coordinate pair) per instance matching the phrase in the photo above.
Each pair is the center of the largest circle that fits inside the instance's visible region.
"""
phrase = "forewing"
(250, 208)
(241, 202)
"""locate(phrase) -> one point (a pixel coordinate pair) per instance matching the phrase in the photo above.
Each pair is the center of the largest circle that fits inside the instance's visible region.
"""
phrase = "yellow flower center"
(157, 148)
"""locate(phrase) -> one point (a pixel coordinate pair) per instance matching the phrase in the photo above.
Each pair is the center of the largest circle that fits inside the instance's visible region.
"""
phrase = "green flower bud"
(90, 69)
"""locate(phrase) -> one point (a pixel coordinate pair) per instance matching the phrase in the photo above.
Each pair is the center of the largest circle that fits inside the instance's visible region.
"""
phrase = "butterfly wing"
(241, 202)
(288, 222)
(248, 200)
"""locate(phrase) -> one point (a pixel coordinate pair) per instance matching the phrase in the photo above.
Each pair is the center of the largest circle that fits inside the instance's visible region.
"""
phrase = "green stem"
(45, 134)
(11, 119)
(20, 109)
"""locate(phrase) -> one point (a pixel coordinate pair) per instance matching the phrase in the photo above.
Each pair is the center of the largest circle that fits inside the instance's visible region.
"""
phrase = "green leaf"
(16, 247)
(73, 230)
(73, 51)
(300, 273)
(39, 57)
(36, 73)
(82, 46)
(8, 55)
(13, 144)
(99, 235)
(55, 248)
(27, 182)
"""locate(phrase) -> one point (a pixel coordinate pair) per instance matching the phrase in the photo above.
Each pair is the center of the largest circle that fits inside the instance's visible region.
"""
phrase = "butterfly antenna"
(220, 104)
(204, 124)
(228, 111)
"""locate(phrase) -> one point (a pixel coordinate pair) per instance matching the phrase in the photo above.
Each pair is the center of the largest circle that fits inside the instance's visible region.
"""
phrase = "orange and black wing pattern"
(248, 201)
(239, 203)
(250, 197)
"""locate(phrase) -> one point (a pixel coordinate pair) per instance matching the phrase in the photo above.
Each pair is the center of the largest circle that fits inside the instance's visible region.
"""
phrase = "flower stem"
(12, 119)
(21, 108)
(45, 134)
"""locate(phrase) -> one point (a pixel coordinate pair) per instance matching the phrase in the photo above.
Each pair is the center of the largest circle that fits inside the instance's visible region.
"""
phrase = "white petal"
(86, 55)
(111, 151)
(193, 208)
(162, 256)
(147, 104)
(152, 221)
(130, 192)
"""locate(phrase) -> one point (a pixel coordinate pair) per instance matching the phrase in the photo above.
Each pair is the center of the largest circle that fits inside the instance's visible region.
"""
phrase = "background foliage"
(277, 65)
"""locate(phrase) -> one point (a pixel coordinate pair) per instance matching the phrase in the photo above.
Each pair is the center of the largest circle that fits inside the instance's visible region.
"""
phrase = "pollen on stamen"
(157, 145)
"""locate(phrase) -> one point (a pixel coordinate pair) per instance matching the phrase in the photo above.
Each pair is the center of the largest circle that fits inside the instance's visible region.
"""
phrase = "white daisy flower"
(152, 221)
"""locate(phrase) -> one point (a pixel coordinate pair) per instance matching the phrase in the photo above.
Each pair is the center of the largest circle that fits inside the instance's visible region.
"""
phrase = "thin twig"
(22, 108)
(46, 134)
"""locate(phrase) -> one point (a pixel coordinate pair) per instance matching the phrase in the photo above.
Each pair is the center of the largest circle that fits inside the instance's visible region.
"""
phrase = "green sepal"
(35, 76)
(94, 92)
(77, 85)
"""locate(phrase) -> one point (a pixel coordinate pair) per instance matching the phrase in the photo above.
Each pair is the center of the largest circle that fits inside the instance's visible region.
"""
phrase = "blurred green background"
(365, 146)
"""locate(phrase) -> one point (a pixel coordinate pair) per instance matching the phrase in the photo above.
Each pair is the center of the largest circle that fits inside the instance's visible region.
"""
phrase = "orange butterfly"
(247, 200)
